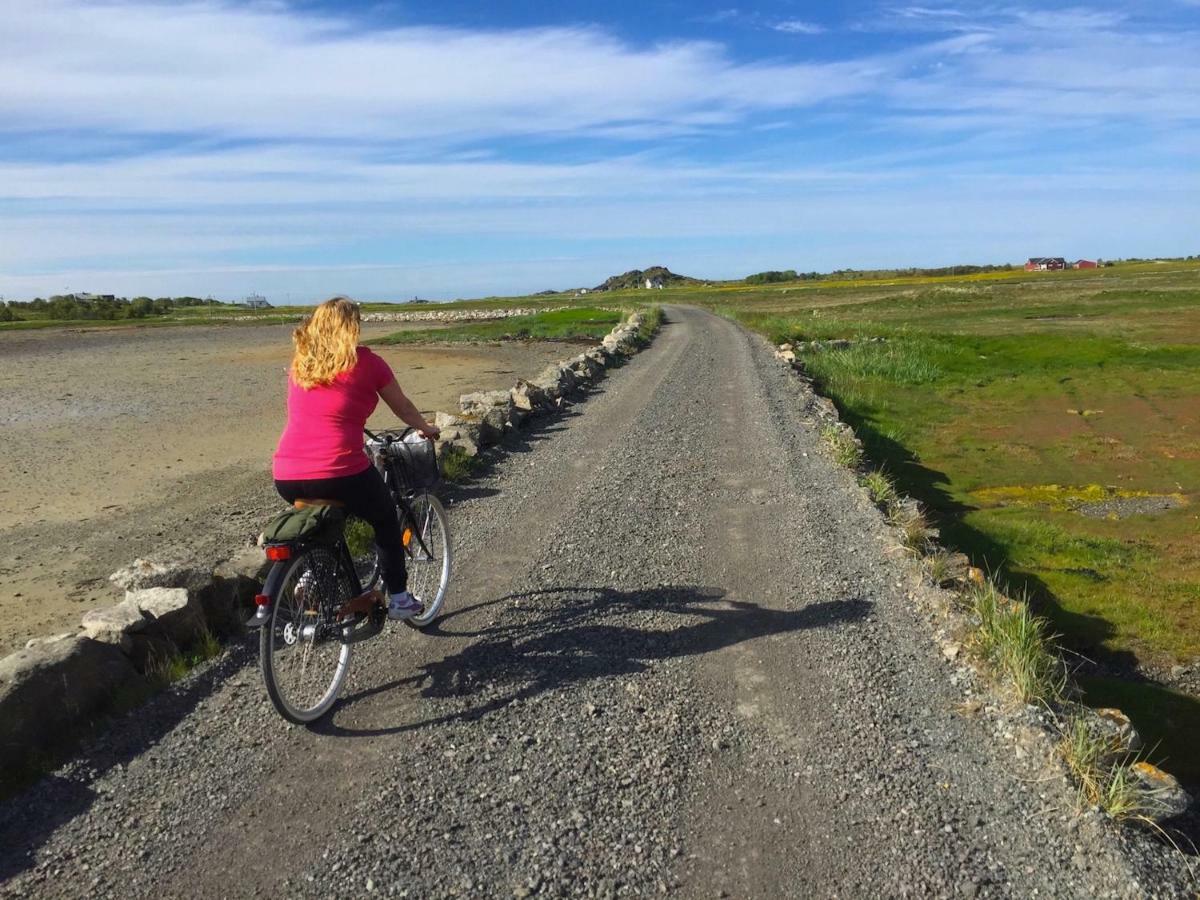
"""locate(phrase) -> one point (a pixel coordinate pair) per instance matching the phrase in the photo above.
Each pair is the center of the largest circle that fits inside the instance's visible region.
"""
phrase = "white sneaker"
(404, 606)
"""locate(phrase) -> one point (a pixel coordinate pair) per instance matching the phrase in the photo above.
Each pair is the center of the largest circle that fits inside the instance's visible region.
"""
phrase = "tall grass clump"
(846, 450)
(1019, 644)
(904, 361)
(1102, 767)
(879, 488)
(915, 533)
(457, 465)
(651, 322)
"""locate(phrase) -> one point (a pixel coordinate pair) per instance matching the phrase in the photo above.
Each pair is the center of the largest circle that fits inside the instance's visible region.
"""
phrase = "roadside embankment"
(998, 642)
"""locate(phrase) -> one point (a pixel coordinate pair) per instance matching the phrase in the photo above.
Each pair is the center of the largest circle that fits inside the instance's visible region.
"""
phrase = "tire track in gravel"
(676, 659)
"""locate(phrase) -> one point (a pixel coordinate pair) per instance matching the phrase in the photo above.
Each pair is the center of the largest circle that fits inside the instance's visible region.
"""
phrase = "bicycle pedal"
(363, 604)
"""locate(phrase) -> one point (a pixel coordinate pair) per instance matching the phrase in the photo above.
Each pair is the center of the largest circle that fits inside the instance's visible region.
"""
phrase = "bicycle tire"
(301, 631)
(428, 573)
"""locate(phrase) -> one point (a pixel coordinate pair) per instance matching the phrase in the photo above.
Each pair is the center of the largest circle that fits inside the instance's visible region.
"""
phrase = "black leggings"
(367, 497)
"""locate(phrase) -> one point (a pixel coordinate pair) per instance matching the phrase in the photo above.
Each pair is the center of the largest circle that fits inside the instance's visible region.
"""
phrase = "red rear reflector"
(278, 553)
(262, 600)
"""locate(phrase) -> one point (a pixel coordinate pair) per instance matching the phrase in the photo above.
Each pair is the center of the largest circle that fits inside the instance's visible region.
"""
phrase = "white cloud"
(797, 26)
(204, 67)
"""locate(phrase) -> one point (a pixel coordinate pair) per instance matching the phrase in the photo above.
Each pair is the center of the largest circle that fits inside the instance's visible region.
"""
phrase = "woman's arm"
(399, 403)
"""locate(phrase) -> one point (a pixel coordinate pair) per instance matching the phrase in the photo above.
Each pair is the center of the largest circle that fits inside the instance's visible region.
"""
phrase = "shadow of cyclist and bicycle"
(552, 638)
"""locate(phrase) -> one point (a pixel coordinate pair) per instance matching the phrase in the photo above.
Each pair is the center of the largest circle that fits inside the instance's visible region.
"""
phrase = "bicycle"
(320, 598)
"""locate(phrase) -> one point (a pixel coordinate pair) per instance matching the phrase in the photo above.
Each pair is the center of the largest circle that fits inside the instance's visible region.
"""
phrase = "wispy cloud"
(797, 26)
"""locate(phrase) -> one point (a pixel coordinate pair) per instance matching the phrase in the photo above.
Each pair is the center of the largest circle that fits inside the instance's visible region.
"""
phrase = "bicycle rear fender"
(262, 610)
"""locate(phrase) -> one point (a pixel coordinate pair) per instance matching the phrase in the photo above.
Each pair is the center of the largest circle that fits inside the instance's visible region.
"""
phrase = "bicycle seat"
(306, 502)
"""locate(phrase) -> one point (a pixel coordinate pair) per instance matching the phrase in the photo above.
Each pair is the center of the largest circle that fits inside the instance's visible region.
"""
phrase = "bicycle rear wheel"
(304, 660)
(428, 565)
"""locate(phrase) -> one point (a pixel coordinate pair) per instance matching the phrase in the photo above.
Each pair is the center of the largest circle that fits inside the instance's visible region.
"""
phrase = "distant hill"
(637, 278)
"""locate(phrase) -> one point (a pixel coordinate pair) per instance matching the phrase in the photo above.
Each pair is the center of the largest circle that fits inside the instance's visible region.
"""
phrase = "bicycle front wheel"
(429, 558)
(304, 660)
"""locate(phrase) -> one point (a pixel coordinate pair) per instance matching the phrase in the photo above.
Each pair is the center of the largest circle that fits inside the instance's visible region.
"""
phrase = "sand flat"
(127, 442)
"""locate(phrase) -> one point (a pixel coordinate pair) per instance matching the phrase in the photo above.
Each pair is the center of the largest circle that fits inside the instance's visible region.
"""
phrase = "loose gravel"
(677, 658)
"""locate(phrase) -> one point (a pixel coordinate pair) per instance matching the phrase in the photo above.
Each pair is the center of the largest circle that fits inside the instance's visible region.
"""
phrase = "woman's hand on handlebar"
(430, 432)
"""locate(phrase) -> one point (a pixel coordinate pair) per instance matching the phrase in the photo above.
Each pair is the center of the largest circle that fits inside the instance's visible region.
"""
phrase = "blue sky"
(453, 148)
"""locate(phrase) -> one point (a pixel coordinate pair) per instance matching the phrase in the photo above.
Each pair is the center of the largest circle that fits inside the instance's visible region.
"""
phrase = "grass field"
(575, 324)
(1051, 424)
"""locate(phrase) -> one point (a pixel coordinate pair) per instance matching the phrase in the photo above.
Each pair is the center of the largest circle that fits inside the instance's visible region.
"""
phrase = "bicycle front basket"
(415, 463)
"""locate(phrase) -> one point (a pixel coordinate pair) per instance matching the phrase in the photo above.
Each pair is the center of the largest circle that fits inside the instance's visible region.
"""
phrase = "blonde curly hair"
(326, 343)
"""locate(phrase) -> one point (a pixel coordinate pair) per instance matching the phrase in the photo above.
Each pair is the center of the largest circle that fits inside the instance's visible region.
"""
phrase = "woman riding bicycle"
(333, 387)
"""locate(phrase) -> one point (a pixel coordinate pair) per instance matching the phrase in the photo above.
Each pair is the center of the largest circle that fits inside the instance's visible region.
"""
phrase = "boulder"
(788, 356)
(442, 420)
(49, 690)
(175, 610)
(54, 638)
(549, 386)
(1161, 795)
(492, 410)
(453, 437)
(114, 624)
(480, 403)
(598, 357)
(1118, 733)
(528, 396)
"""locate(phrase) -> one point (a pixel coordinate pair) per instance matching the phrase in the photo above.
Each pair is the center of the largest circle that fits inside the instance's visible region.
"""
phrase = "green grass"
(1018, 644)
(457, 465)
(575, 324)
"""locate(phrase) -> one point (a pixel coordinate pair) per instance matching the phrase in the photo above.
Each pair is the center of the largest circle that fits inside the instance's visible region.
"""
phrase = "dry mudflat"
(127, 442)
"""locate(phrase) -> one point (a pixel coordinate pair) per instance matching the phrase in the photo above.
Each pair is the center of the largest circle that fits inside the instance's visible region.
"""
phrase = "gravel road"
(676, 659)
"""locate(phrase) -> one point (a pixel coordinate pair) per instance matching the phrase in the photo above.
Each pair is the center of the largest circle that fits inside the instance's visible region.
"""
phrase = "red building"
(1045, 264)
(1086, 264)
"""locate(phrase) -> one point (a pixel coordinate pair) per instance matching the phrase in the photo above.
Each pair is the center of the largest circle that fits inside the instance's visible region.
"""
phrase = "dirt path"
(119, 443)
(676, 659)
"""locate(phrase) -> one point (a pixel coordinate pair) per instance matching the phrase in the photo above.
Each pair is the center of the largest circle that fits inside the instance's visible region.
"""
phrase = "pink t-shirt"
(323, 437)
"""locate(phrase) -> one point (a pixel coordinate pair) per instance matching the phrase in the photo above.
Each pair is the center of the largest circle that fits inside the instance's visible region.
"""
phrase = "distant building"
(256, 301)
(1085, 264)
(1045, 264)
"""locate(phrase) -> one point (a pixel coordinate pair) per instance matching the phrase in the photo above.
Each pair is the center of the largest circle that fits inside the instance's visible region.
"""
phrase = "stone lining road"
(677, 659)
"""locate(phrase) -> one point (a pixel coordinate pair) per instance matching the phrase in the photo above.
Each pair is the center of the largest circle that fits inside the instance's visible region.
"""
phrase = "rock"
(114, 624)
(786, 355)
(1116, 730)
(442, 421)
(454, 437)
(480, 403)
(140, 573)
(37, 642)
(785, 346)
(975, 576)
(174, 609)
(249, 562)
(528, 396)
(957, 565)
(48, 691)
(1161, 794)
(598, 357)
(492, 410)
(549, 386)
